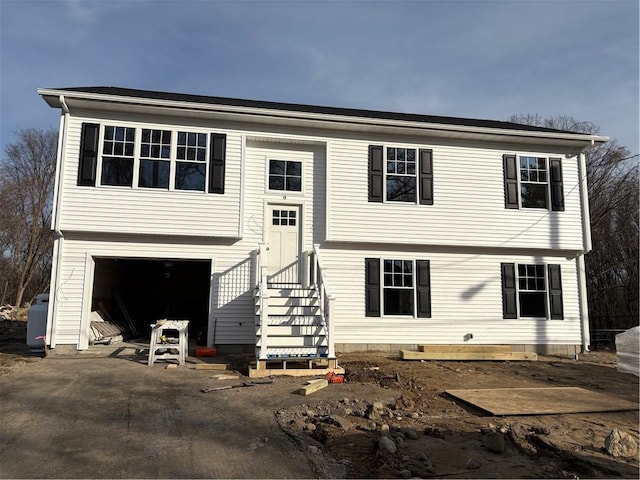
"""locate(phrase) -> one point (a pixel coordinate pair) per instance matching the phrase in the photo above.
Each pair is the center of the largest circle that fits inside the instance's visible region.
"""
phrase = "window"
(531, 290)
(284, 217)
(117, 160)
(198, 158)
(533, 182)
(400, 174)
(155, 148)
(285, 175)
(191, 167)
(397, 287)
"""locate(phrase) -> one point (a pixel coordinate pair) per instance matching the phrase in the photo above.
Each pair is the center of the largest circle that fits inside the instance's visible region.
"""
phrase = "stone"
(372, 414)
(494, 442)
(384, 428)
(310, 427)
(541, 430)
(473, 464)
(423, 457)
(310, 413)
(378, 406)
(415, 415)
(405, 473)
(409, 433)
(297, 424)
(621, 444)
(434, 432)
(345, 400)
(387, 444)
(313, 449)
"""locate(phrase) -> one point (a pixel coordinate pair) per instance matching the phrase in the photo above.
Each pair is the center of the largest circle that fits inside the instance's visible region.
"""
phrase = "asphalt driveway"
(117, 418)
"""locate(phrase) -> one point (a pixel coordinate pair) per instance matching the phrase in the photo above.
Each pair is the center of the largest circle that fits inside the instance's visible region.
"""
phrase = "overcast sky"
(478, 59)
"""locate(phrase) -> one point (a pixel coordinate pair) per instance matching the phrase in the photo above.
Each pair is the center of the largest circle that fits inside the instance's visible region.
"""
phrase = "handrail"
(262, 293)
(325, 297)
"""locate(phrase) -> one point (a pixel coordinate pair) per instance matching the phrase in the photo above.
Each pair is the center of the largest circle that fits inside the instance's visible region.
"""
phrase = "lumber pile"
(466, 352)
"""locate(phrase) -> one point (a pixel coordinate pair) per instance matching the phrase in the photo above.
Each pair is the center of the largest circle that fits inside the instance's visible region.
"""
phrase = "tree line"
(28, 167)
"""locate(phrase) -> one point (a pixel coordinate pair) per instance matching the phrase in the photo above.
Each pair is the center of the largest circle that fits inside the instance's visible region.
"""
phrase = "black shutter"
(510, 181)
(557, 190)
(217, 156)
(88, 154)
(372, 282)
(509, 305)
(555, 293)
(423, 290)
(426, 177)
(376, 164)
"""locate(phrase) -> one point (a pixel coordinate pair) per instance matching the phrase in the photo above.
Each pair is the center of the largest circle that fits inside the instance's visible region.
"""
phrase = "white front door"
(283, 223)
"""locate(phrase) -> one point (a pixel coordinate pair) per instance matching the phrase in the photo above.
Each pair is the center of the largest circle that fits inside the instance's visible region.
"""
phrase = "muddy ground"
(339, 429)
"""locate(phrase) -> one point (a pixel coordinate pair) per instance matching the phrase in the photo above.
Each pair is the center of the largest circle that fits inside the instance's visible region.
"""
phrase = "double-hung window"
(533, 182)
(397, 287)
(531, 291)
(162, 159)
(400, 174)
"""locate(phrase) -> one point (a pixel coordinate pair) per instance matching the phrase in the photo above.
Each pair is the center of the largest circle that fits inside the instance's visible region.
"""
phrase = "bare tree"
(612, 265)
(27, 173)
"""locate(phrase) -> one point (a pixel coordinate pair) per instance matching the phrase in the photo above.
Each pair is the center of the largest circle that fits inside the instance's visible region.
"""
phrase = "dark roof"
(296, 107)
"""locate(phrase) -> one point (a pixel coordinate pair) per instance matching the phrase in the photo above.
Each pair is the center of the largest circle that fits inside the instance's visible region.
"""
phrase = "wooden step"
(297, 352)
(465, 348)
(293, 330)
(293, 301)
(281, 310)
(411, 355)
(291, 292)
(295, 367)
(293, 342)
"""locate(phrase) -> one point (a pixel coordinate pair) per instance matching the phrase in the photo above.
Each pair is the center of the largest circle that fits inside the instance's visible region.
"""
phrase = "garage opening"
(135, 293)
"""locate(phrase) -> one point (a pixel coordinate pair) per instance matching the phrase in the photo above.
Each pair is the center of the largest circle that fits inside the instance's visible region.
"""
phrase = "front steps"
(296, 340)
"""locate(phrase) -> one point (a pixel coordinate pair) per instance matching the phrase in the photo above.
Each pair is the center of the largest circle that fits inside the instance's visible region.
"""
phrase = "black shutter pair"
(89, 158)
(373, 286)
(376, 175)
(511, 191)
(509, 291)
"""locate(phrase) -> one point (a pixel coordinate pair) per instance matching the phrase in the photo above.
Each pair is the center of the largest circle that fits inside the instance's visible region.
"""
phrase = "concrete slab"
(81, 417)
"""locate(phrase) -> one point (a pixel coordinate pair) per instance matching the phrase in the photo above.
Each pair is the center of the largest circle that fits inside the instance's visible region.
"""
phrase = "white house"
(307, 230)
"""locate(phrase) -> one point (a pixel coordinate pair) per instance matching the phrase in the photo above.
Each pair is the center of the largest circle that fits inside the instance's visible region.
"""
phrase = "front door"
(284, 243)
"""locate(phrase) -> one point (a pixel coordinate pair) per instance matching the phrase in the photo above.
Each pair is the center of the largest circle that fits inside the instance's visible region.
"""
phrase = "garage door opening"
(135, 293)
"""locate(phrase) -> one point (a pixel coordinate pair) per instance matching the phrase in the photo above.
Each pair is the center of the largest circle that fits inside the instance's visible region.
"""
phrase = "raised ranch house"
(302, 231)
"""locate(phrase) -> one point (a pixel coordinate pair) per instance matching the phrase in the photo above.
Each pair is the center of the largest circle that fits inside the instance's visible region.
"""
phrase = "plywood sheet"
(541, 401)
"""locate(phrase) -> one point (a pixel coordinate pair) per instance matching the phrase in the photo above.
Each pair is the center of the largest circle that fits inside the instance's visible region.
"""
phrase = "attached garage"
(135, 293)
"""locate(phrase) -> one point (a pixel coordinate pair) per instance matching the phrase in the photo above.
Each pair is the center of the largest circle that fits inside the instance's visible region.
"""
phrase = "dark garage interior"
(149, 290)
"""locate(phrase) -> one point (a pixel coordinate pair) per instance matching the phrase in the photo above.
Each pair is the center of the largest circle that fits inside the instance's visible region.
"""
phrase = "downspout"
(587, 246)
(55, 225)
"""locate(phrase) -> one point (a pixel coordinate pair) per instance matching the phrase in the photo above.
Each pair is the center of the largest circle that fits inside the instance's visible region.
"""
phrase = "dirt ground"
(338, 430)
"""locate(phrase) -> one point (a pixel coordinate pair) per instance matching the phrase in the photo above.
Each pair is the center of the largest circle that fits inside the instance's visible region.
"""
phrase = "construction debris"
(313, 386)
(210, 366)
(225, 376)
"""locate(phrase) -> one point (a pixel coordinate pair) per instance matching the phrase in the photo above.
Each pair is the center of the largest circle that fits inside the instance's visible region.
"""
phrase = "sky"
(473, 59)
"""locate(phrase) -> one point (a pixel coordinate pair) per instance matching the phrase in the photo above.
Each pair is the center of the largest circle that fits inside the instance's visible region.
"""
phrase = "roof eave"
(53, 99)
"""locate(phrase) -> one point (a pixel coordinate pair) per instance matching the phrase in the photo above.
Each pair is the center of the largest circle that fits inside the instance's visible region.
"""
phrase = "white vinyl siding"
(145, 210)
(466, 297)
(468, 207)
(232, 276)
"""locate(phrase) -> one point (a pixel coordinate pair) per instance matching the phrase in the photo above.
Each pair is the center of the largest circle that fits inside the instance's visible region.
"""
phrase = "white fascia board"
(52, 96)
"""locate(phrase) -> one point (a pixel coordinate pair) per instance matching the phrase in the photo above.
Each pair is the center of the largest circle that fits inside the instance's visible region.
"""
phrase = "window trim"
(510, 281)
(378, 175)
(513, 182)
(375, 287)
(287, 193)
(173, 160)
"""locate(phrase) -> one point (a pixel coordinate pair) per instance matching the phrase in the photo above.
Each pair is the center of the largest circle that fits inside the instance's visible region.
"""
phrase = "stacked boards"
(466, 352)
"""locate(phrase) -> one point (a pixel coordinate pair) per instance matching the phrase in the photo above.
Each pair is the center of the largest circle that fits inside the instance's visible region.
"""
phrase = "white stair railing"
(316, 271)
(262, 296)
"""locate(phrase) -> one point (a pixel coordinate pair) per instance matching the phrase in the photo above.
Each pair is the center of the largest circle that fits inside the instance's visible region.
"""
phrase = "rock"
(310, 427)
(423, 457)
(313, 449)
(405, 473)
(473, 464)
(409, 433)
(621, 444)
(494, 442)
(387, 444)
(338, 421)
(384, 428)
(310, 413)
(415, 415)
(541, 430)
(297, 425)
(378, 406)
(434, 432)
(345, 400)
